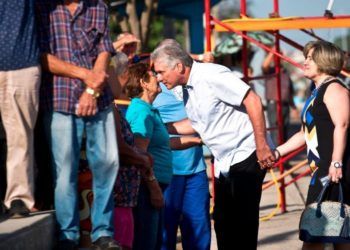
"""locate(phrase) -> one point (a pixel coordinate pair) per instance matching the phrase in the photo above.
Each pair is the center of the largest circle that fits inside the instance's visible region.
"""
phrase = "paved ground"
(281, 231)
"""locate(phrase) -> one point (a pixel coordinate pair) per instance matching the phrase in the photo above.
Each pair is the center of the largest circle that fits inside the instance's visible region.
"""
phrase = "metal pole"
(280, 121)
(208, 48)
(207, 25)
(281, 177)
(245, 63)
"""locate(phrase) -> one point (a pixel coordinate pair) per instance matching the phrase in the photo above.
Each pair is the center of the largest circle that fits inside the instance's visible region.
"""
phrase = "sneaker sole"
(18, 216)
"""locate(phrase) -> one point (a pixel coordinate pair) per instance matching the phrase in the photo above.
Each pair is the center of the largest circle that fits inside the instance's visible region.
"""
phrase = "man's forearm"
(59, 67)
(255, 112)
(102, 62)
(94, 79)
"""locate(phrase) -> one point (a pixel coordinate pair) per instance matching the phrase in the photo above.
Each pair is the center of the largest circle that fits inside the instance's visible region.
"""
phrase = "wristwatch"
(95, 94)
(337, 164)
(151, 178)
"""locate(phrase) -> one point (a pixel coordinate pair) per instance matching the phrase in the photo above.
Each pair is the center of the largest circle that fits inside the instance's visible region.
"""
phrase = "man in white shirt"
(228, 116)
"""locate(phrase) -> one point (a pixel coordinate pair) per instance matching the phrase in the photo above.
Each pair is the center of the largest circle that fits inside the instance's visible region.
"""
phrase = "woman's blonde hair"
(137, 72)
(328, 57)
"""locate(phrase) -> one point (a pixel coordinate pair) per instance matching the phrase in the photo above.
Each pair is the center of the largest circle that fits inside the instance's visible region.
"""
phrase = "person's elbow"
(343, 125)
(252, 100)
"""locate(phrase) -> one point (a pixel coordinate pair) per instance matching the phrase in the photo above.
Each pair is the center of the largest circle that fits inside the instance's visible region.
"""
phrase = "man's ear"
(180, 68)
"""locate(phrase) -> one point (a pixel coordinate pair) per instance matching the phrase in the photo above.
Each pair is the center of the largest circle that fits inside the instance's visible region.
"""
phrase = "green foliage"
(114, 27)
(343, 41)
(180, 32)
(157, 32)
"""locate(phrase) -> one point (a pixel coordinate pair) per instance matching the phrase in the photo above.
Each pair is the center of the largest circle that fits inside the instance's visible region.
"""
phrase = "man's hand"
(123, 40)
(87, 105)
(95, 79)
(266, 158)
(208, 57)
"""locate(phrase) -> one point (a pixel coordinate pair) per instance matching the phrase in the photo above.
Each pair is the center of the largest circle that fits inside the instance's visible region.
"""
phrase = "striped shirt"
(77, 39)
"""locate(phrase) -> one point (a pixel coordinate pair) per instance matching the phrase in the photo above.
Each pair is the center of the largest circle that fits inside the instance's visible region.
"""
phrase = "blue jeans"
(65, 132)
(187, 206)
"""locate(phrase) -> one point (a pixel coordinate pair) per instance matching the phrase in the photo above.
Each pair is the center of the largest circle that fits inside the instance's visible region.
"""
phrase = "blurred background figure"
(128, 43)
(287, 93)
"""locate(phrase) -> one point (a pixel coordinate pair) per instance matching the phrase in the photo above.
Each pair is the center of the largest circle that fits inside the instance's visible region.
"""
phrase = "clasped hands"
(95, 80)
(267, 158)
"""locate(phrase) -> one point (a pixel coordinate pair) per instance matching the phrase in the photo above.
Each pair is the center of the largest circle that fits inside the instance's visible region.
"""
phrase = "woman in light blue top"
(150, 135)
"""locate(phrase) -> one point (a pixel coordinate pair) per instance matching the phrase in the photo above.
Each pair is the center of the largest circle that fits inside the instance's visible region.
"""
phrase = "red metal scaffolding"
(265, 25)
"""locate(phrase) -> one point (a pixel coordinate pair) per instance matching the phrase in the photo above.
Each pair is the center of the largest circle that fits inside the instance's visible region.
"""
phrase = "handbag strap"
(340, 199)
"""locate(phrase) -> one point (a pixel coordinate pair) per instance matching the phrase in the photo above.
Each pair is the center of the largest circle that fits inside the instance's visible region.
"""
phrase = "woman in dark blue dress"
(325, 126)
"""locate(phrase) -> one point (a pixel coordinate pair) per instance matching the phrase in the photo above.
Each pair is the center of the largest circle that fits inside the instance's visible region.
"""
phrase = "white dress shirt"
(214, 107)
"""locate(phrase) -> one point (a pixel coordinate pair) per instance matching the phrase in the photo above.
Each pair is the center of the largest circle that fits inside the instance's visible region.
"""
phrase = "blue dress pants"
(187, 206)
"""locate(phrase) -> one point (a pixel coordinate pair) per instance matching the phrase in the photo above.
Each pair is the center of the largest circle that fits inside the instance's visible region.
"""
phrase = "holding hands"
(266, 157)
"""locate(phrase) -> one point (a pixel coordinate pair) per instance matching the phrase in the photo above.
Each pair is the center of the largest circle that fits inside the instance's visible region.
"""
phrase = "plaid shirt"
(77, 39)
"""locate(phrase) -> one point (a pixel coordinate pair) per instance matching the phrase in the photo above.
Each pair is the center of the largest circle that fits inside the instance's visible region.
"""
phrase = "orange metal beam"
(258, 24)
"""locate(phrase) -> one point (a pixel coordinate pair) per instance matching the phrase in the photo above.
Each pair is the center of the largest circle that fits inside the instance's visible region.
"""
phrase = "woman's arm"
(295, 142)
(184, 142)
(156, 194)
(337, 101)
(182, 127)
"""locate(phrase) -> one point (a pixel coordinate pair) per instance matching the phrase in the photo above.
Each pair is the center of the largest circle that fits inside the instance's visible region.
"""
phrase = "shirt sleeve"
(227, 87)
(105, 44)
(141, 124)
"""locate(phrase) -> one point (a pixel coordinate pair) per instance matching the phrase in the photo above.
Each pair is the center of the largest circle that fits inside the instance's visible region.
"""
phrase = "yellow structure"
(258, 24)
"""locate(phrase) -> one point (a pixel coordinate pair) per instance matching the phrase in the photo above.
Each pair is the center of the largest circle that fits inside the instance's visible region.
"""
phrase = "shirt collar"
(80, 8)
(142, 102)
(189, 84)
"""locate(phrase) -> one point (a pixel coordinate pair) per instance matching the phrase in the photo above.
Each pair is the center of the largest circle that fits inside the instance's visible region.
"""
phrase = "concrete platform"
(32, 233)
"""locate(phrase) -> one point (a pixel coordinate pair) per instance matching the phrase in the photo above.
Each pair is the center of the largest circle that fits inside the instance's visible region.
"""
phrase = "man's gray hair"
(170, 52)
(121, 63)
